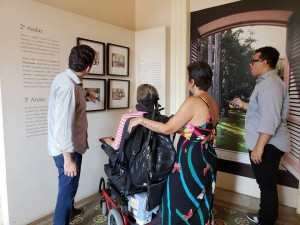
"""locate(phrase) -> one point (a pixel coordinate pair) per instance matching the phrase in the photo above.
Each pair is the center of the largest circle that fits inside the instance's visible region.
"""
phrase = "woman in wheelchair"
(188, 196)
(139, 164)
(146, 95)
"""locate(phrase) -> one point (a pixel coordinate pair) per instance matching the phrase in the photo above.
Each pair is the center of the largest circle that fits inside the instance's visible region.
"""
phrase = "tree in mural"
(235, 58)
(235, 80)
(280, 68)
(233, 53)
(235, 74)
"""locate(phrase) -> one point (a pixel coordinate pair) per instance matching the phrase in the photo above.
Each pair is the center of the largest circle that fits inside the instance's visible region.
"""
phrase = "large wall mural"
(222, 36)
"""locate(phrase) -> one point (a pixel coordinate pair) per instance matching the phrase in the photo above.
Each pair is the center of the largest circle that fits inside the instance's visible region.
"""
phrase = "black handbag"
(161, 157)
(154, 161)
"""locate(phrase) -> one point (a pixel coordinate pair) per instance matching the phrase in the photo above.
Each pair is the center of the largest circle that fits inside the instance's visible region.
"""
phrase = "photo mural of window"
(228, 46)
(236, 47)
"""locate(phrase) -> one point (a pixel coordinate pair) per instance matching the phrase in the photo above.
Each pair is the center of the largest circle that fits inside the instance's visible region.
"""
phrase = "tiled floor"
(287, 215)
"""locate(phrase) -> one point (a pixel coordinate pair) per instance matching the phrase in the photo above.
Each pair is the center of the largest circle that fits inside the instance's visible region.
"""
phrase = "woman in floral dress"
(189, 193)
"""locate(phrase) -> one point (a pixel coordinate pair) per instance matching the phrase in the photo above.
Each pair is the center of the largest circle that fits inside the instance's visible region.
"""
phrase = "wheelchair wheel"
(115, 217)
(103, 208)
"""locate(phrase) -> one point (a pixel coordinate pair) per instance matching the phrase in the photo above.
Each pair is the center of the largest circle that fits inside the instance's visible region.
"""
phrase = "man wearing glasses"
(266, 133)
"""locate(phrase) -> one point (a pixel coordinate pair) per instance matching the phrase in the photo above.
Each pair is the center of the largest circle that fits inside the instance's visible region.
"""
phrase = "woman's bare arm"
(182, 116)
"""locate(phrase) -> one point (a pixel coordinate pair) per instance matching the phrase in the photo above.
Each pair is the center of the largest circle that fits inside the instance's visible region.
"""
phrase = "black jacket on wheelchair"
(143, 160)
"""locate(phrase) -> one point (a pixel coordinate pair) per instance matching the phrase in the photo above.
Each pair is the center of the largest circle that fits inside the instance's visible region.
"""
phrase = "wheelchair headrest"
(147, 105)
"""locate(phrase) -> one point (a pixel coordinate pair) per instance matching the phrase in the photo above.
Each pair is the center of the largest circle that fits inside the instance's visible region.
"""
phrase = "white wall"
(151, 46)
(31, 176)
(248, 186)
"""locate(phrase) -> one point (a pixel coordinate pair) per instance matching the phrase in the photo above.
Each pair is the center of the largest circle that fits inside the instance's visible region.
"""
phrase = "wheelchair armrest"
(105, 144)
(112, 153)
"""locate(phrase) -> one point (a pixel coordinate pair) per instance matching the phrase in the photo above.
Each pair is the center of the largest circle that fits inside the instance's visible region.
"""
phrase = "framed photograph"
(98, 67)
(117, 60)
(95, 94)
(118, 94)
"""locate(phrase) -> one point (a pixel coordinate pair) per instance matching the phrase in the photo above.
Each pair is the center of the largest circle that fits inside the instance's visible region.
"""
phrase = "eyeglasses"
(256, 60)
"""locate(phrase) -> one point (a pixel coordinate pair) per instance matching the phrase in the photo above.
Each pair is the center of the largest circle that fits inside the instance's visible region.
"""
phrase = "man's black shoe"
(253, 217)
(76, 213)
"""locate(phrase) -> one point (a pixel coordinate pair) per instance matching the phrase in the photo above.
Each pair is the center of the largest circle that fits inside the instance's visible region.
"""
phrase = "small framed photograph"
(95, 94)
(98, 67)
(118, 94)
(117, 60)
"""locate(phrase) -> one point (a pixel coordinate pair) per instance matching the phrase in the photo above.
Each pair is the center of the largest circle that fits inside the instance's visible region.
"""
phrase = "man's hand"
(256, 155)
(238, 103)
(257, 152)
(70, 167)
(92, 97)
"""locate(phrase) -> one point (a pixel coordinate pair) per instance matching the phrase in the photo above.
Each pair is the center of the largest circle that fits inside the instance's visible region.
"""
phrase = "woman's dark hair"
(201, 73)
(270, 54)
(81, 57)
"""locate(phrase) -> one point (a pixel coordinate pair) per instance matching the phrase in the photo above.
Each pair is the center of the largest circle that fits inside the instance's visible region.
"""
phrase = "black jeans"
(266, 174)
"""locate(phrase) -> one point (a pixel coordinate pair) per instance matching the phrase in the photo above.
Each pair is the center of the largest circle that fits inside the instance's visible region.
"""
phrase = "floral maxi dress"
(189, 193)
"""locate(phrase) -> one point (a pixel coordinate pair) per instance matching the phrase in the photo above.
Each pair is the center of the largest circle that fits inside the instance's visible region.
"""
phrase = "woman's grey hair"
(146, 91)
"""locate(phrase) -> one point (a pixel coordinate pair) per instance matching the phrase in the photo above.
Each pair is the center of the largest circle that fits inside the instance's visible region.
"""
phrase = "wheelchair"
(136, 174)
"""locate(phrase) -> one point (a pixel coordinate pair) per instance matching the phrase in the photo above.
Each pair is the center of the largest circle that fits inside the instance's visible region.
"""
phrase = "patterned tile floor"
(223, 216)
(224, 213)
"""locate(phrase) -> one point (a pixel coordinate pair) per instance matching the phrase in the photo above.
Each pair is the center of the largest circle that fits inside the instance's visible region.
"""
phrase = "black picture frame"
(117, 60)
(96, 87)
(98, 67)
(118, 94)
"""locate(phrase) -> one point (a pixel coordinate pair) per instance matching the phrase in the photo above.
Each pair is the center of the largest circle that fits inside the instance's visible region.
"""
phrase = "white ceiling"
(130, 14)
(117, 12)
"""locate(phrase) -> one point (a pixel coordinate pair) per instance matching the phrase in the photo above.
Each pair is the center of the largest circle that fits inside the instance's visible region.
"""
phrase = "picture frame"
(117, 60)
(96, 87)
(118, 94)
(98, 67)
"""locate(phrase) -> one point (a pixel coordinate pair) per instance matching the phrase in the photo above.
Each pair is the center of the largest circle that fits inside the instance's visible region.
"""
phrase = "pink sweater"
(123, 120)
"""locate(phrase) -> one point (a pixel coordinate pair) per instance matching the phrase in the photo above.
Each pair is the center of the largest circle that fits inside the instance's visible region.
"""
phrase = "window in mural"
(235, 49)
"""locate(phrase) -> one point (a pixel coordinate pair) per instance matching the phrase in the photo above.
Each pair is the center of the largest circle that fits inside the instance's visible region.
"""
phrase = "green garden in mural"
(235, 80)
(231, 131)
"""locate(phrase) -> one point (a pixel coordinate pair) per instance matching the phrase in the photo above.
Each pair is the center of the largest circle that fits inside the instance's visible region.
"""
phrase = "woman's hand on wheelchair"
(134, 122)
